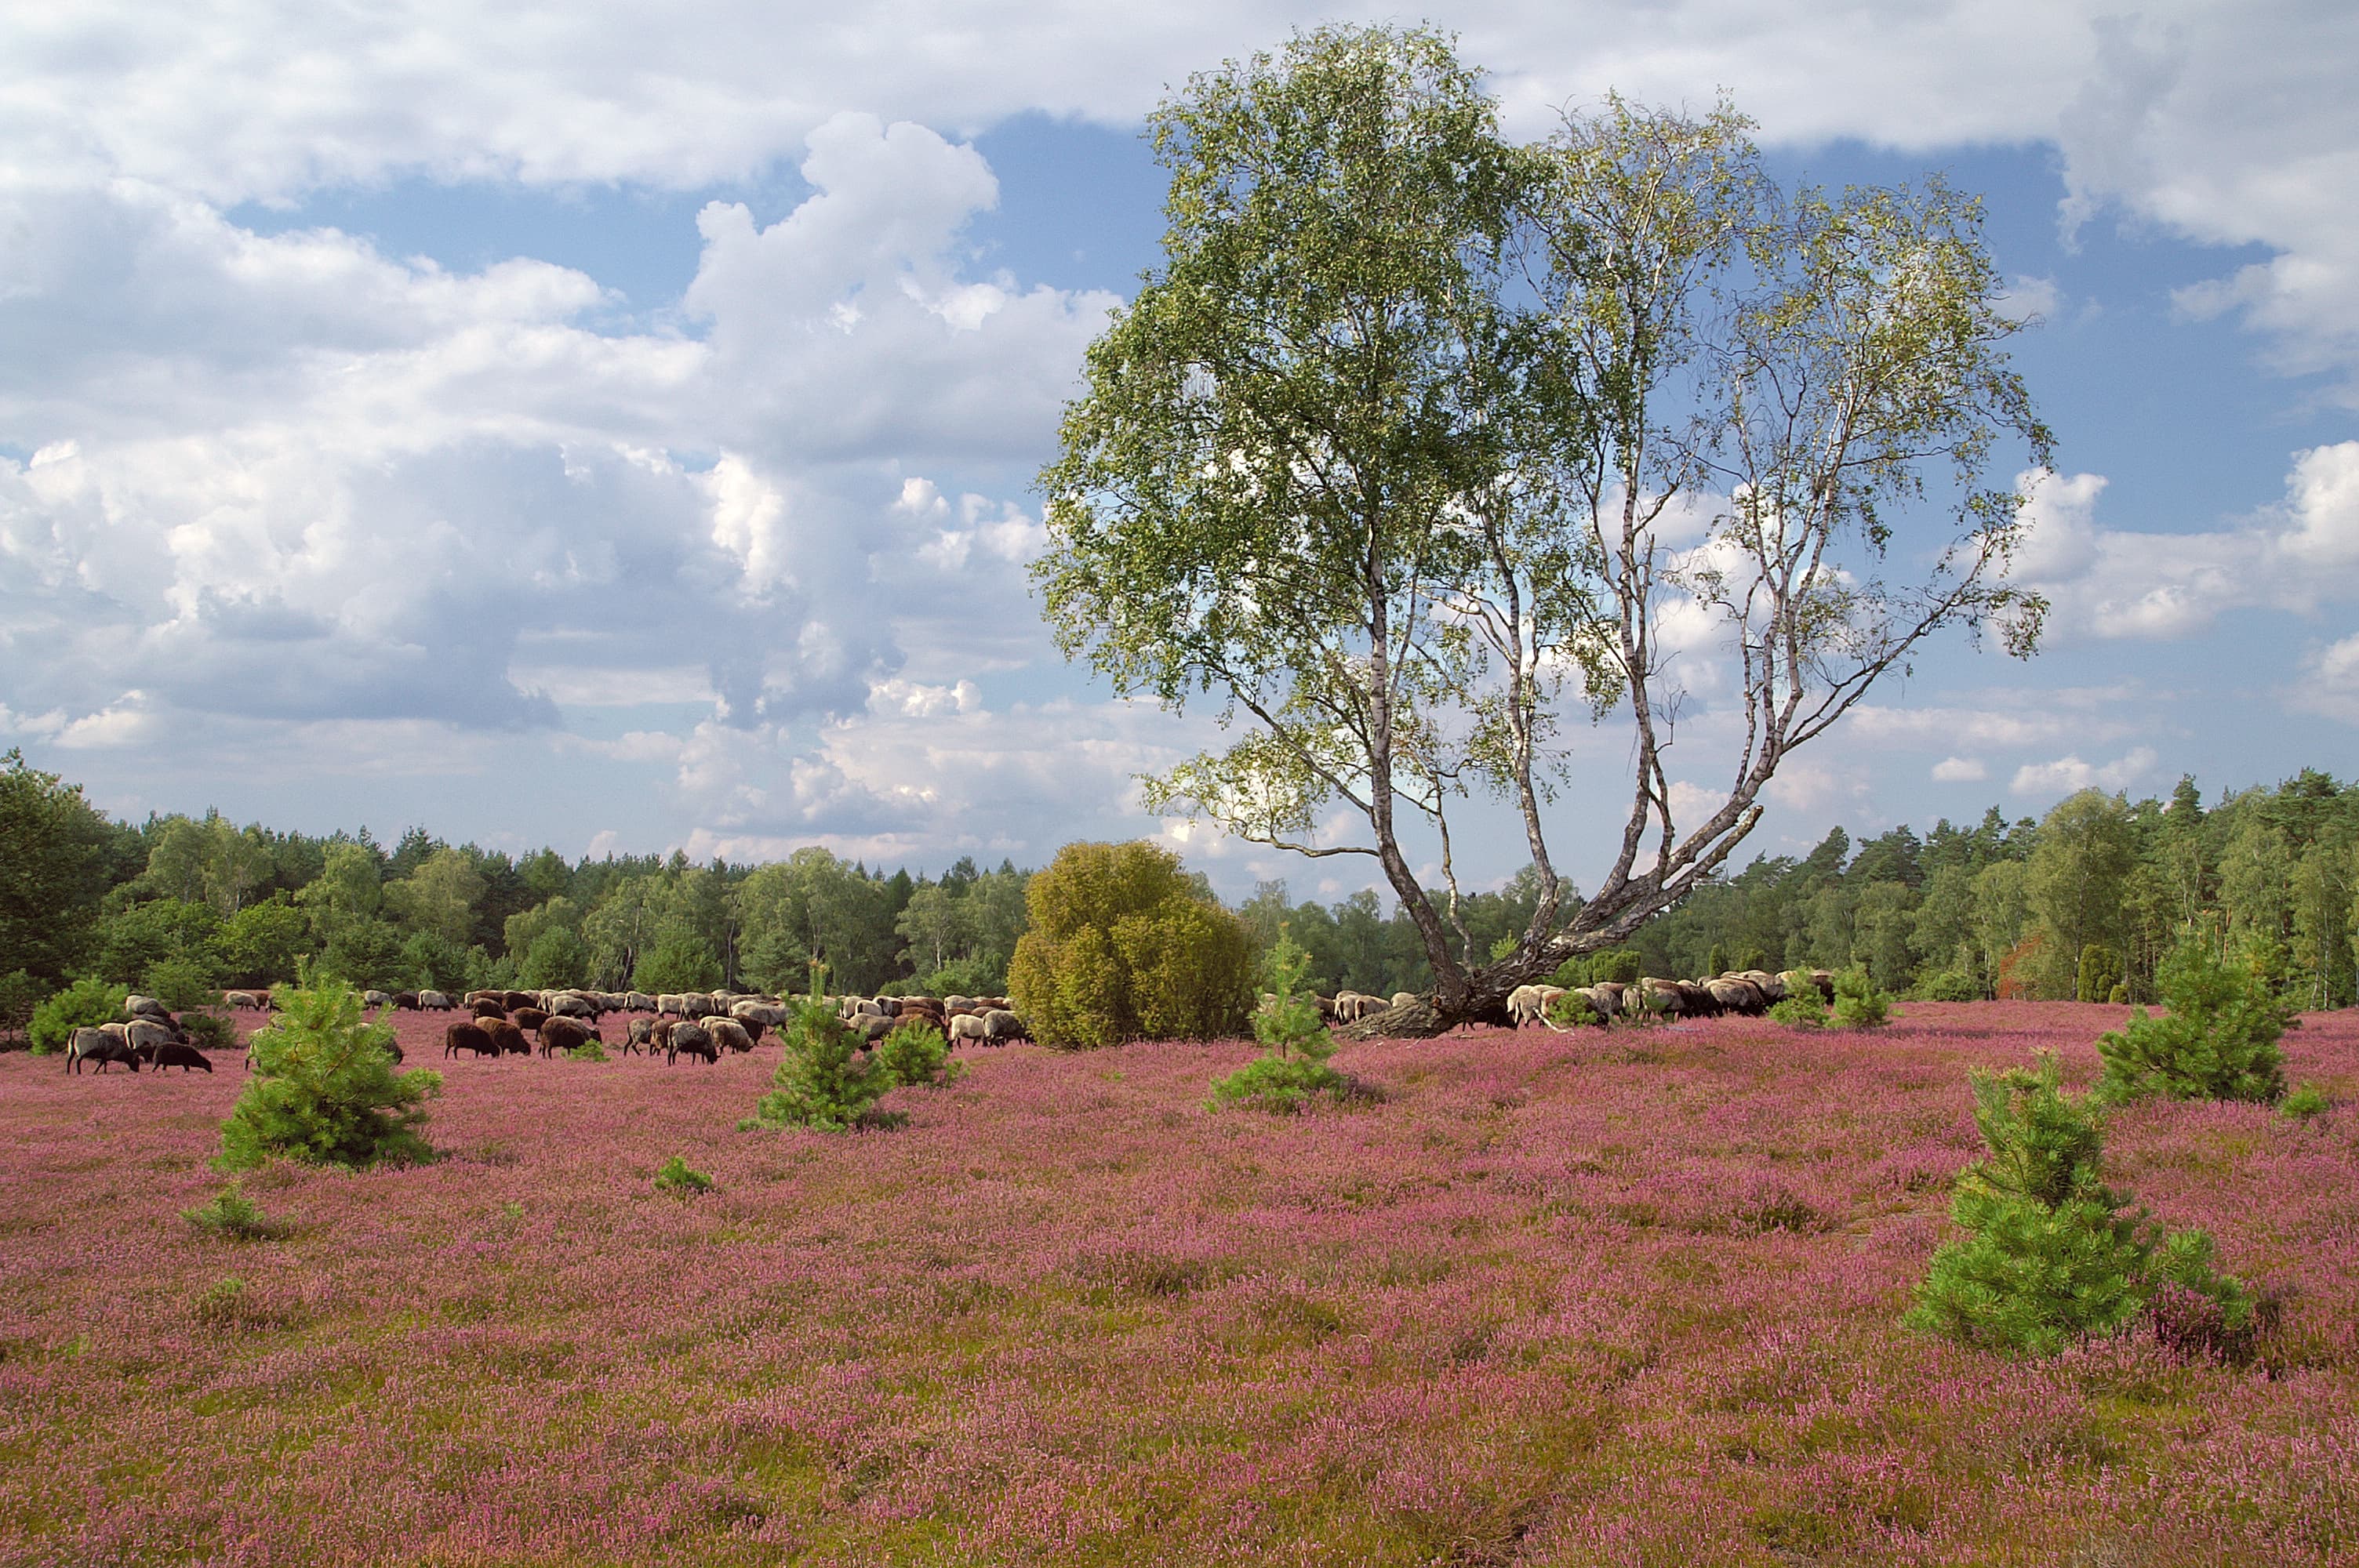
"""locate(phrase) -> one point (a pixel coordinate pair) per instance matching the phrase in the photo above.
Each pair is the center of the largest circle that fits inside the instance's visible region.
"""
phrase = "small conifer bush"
(1859, 1004)
(2052, 1256)
(324, 1090)
(1801, 1012)
(830, 1081)
(236, 1217)
(2218, 1042)
(1293, 1072)
(85, 1004)
(676, 1177)
(588, 1050)
(2306, 1101)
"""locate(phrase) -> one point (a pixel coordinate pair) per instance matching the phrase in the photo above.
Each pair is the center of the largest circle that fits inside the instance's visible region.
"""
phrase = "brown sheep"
(507, 1036)
(565, 1034)
(511, 1000)
(488, 1007)
(165, 1053)
(469, 1037)
(692, 1039)
(529, 1019)
(729, 1035)
(642, 1033)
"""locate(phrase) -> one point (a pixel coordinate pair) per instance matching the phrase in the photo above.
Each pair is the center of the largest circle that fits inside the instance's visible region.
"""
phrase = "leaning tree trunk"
(1426, 1017)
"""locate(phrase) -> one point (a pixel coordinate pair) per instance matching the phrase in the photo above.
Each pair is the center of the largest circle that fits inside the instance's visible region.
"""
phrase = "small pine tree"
(830, 1081)
(1859, 1002)
(1295, 1070)
(324, 1090)
(85, 1004)
(2218, 1042)
(680, 1179)
(2051, 1255)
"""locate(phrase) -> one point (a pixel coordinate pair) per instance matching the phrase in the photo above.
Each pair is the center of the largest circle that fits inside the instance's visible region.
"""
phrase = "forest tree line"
(2082, 903)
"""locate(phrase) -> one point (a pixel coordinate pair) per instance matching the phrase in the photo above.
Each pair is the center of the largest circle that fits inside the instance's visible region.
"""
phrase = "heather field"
(1611, 1299)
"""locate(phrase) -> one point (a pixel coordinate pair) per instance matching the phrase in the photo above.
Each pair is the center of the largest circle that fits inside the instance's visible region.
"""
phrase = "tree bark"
(1425, 1018)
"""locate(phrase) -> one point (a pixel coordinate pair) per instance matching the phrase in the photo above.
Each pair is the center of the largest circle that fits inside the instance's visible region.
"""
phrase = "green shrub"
(2306, 1101)
(1801, 1012)
(965, 977)
(234, 1215)
(182, 984)
(678, 963)
(1949, 985)
(675, 1177)
(85, 1004)
(20, 994)
(827, 1080)
(324, 1090)
(208, 1030)
(1124, 945)
(1573, 1010)
(1859, 1003)
(1294, 1071)
(2218, 1042)
(2100, 972)
(588, 1050)
(2051, 1256)
(557, 959)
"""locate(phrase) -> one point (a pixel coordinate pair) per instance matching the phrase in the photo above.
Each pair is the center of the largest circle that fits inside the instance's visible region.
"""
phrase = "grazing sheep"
(637, 1002)
(507, 1036)
(1402, 999)
(689, 1037)
(511, 1000)
(1741, 997)
(146, 1007)
(572, 1004)
(470, 1037)
(433, 1002)
(145, 1031)
(968, 1026)
(1604, 999)
(375, 999)
(729, 1035)
(1000, 1025)
(754, 1011)
(248, 1001)
(530, 1019)
(566, 1034)
(98, 1046)
(165, 1053)
(488, 1007)
(1524, 1004)
(640, 1034)
(406, 1001)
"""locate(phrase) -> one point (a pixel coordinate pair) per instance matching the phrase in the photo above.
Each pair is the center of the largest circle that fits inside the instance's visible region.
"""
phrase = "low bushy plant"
(208, 1030)
(324, 1090)
(1573, 1010)
(2218, 1042)
(1860, 1003)
(676, 1177)
(1294, 1071)
(1801, 1012)
(830, 1080)
(2052, 1256)
(1949, 985)
(85, 1004)
(2306, 1101)
(236, 1217)
(588, 1050)
(182, 984)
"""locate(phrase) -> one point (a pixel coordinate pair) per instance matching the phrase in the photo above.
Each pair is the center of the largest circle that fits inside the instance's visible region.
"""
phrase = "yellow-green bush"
(1124, 945)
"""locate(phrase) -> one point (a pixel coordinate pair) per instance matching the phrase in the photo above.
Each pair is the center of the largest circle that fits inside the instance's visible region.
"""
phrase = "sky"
(615, 427)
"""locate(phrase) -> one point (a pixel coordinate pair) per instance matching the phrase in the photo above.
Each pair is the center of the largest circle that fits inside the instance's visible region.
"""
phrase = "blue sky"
(580, 430)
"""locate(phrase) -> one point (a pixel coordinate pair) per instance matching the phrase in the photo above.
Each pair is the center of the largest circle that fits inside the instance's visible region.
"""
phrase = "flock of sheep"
(148, 1035)
(701, 1024)
(1747, 992)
